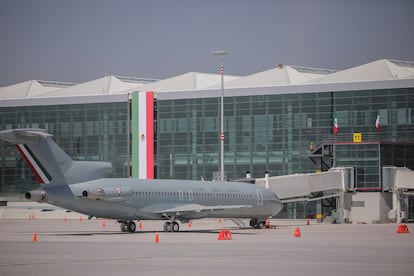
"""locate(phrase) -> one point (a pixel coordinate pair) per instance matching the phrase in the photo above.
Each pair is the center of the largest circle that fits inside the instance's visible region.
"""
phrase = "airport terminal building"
(286, 120)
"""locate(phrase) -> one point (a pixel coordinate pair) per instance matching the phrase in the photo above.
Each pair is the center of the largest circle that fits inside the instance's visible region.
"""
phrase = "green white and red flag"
(377, 123)
(335, 124)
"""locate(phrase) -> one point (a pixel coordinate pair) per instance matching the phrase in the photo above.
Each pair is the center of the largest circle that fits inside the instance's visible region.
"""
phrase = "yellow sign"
(357, 137)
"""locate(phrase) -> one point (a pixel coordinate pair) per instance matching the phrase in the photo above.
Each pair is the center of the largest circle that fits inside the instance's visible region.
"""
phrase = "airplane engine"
(36, 195)
(110, 194)
(98, 194)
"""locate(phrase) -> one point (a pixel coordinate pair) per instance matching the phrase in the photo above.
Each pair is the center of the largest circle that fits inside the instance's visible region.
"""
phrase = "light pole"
(221, 54)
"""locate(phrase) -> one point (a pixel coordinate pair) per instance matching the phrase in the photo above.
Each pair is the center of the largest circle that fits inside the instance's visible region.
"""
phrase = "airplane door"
(259, 197)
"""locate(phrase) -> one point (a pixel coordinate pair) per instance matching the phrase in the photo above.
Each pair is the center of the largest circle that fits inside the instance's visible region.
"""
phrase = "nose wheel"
(257, 224)
(171, 226)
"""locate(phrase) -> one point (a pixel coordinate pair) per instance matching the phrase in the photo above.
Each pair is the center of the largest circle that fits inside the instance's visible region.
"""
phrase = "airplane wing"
(191, 208)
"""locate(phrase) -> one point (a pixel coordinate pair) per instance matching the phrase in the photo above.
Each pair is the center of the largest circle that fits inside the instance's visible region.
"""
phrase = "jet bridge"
(315, 186)
(393, 201)
(399, 181)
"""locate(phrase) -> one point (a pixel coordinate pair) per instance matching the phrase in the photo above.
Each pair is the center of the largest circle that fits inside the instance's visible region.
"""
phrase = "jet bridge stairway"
(322, 155)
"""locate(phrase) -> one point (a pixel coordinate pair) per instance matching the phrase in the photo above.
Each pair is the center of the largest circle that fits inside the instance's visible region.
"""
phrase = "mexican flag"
(377, 123)
(335, 126)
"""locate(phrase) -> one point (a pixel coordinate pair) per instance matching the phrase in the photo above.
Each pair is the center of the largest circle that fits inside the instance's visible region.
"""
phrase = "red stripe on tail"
(32, 168)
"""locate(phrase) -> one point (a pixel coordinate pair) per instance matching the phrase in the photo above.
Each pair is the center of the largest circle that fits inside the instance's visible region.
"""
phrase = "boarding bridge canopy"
(398, 179)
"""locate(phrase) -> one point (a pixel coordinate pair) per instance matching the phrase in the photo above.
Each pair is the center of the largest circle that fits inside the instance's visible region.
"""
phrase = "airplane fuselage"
(81, 186)
(136, 199)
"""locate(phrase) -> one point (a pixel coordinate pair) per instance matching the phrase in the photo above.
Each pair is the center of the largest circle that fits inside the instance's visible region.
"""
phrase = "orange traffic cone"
(403, 229)
(80, 218)
(157, 240)
(297, 233)
(140, 225)
(103, 223)
(189, 224)
(224, 235)
(34, 237)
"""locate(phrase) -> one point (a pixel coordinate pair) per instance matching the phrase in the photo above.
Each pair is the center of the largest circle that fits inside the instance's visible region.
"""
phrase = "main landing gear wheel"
(129, 226)
(171, 227)
(123, 227)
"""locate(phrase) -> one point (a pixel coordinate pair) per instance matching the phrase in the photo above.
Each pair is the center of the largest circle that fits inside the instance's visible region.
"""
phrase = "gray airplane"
(81, 186)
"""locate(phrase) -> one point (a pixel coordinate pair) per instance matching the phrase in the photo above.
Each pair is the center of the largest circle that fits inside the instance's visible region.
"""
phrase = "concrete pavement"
(87, 247)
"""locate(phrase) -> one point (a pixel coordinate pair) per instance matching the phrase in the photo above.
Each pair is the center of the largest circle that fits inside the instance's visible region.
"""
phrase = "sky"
(82, 40)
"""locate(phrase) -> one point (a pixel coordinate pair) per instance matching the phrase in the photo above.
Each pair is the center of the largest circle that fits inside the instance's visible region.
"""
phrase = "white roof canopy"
(282, 75)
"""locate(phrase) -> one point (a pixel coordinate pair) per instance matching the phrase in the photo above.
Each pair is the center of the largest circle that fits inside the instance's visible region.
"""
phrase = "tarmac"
(97, 247)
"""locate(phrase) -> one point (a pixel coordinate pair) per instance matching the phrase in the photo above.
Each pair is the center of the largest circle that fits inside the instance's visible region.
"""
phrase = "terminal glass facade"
(96, 132)
(273, 133)
(270, 132)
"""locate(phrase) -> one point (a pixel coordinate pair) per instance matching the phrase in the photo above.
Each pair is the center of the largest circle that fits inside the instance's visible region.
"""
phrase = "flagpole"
(221, 54)
(378, 129)
(335, 131)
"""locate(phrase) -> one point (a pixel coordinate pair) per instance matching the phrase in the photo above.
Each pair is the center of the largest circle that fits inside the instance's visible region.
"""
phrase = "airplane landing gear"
(171, 226)
(257, 224)
(128, 226)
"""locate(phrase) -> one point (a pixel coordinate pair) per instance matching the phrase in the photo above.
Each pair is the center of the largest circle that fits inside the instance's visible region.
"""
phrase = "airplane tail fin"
(48, 162)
